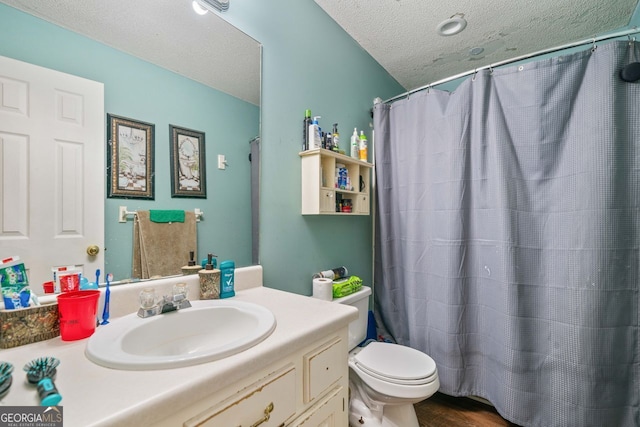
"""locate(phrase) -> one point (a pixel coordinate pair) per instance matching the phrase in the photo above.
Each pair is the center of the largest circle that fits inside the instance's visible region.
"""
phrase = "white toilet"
(385, 380)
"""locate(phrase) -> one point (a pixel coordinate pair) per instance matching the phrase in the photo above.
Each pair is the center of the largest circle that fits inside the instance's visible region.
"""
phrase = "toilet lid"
(395, 362)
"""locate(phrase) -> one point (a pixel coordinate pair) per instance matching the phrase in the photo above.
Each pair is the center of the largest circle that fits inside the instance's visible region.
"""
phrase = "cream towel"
(162, 249)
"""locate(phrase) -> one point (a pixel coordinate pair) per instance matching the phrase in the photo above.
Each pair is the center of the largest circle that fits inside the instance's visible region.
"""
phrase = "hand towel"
(166, 216)
(162, 248)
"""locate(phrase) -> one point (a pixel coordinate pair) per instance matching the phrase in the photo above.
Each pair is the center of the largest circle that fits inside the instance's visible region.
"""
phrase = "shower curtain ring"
(594, 47)
(475, 73)
(490, 68)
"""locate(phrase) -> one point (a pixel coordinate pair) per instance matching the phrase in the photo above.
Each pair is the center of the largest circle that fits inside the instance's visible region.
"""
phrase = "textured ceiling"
(170, 34)
(401, 34)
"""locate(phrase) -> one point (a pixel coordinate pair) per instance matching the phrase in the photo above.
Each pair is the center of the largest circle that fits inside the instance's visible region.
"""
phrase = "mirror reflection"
(163, 65)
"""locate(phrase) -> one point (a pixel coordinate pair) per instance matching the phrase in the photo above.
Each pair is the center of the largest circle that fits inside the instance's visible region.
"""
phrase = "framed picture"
(188, 174)
(130, 168)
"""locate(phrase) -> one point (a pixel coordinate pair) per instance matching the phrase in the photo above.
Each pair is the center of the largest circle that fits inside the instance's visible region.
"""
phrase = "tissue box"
(28, 325)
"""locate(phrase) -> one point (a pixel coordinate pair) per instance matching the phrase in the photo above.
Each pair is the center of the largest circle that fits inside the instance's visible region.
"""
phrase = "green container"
(227, 272)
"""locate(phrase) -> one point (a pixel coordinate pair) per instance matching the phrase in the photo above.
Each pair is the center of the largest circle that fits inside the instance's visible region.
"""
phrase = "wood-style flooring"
(441, 410)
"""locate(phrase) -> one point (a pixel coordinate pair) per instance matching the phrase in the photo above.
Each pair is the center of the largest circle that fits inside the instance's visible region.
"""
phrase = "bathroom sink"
(209, 330)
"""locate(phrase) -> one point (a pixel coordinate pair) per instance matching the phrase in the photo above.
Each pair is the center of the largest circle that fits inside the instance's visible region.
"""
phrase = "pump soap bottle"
(191, 267)
(209, 280)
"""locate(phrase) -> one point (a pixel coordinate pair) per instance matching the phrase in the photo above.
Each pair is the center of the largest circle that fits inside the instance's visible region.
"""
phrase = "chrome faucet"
(149, 307)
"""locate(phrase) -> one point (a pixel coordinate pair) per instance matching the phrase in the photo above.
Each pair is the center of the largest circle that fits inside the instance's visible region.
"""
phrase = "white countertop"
(98, 396)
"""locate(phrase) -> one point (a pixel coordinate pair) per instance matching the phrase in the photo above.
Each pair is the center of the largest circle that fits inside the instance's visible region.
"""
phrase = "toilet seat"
(396, 364)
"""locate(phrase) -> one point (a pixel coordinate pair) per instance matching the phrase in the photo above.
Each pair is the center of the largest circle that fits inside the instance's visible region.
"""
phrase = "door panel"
(52, 169)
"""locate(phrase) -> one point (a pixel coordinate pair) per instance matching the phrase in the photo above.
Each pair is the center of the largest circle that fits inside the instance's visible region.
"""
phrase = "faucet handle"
(147, 298)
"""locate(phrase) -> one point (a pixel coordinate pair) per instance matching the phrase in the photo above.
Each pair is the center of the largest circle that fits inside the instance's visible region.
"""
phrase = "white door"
(51, 169)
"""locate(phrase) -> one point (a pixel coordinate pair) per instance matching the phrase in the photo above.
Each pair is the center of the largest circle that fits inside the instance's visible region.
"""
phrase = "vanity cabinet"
(306, 388)
(322, 191)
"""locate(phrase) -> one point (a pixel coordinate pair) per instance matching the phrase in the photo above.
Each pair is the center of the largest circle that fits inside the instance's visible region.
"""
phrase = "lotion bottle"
(355, 144)
(315, 140)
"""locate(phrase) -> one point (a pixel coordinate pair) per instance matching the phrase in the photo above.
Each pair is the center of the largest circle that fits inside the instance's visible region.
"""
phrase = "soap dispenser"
(191, 267)
(209, 280)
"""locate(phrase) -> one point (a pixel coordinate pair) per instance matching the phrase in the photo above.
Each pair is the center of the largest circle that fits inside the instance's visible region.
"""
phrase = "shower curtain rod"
(509, 61)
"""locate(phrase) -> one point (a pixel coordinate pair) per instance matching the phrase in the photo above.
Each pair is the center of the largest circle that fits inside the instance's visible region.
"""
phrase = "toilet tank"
(357, 328)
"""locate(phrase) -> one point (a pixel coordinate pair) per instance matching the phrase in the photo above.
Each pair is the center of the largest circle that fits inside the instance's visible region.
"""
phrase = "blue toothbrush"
(107, 294)
(97, 278)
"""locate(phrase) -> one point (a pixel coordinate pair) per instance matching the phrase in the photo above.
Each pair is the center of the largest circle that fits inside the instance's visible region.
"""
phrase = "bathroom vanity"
(297, 376)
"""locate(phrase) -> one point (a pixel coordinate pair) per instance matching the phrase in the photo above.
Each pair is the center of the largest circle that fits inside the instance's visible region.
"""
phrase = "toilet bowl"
(385, 379)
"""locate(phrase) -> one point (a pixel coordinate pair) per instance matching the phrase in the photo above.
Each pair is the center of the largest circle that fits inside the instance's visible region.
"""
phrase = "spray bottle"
(355, 144)
(315, 140)
(336, 138)
(363, 146)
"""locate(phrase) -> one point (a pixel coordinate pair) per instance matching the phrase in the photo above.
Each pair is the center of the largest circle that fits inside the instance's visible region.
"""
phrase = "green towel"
(166, 216)
(346, 286)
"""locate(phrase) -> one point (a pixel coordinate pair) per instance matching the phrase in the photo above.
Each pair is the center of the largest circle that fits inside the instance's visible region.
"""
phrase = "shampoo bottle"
(363, 146)
(336, 138)
(355, 144)
(315, 140)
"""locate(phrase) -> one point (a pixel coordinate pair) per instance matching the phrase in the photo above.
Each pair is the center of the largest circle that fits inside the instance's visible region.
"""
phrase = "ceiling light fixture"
(452, 26)
(198, 9)
(476, 51)
(202, 6)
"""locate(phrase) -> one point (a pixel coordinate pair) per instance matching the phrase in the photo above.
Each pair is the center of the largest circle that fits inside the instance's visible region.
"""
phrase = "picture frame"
(188, 167)
(130, 158)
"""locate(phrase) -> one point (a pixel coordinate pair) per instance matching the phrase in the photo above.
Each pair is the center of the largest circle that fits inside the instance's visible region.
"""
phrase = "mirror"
(149, 56)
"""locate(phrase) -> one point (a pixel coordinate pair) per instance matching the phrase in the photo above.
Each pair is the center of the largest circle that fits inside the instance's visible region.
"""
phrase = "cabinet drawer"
(322, 368)
(330, 411)
(273, 396)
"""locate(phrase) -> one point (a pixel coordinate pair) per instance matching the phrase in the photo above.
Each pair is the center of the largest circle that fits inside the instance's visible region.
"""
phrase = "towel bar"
(123, 213)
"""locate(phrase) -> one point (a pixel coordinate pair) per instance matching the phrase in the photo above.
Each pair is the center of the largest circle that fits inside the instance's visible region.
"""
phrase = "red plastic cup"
(48, 287)
(77, 311)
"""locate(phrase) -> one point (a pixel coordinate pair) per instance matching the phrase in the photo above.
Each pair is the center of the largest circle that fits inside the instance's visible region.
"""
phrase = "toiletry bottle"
(336, 138)
(363, 146)
(305, 130)
(355, 144)
(315, 141)
(191, 267)
(227, 271)
(209, 280)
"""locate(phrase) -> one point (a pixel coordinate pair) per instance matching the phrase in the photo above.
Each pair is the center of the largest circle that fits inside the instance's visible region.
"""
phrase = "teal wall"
(308, 62)
(138, 90)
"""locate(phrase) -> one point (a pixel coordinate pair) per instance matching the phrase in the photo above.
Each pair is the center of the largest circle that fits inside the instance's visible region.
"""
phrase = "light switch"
(222, 161)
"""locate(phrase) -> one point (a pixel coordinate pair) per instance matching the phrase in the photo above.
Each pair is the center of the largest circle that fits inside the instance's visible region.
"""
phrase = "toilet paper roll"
(323, 288)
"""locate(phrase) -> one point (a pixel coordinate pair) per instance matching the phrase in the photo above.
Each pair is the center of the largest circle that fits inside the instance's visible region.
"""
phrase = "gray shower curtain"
(507, 236)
